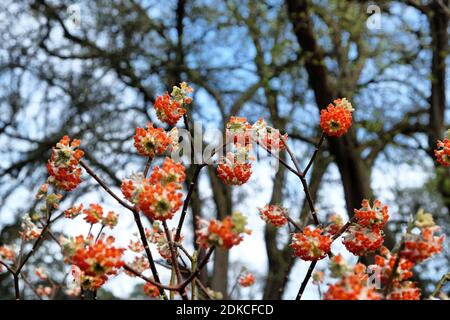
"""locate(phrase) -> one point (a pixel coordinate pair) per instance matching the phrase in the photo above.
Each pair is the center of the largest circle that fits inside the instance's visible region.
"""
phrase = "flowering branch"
(159, 196)
(313, 263)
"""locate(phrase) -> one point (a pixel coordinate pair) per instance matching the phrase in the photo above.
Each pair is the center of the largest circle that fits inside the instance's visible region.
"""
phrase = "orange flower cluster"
(405, 290)
(73, 212)
(336, 119)
(169, 108)
(366, 234)
(419, 247)
(311, 244)
(151, 290)
(154, 141)
(110, 219)
(170, 172)
(235, 168)
(384, 263)
(226, 233)
(360, 240)
(94, 214)
(374, 218)
(96, 260)
(247, 280)
(352, 285)
(63, 167)
(157, 197)
(442, 152)
(274, 214)
(7, 254)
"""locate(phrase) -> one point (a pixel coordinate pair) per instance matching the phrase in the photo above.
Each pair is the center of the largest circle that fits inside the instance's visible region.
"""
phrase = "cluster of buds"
(41, 273)
(155, 141)
(29, 231)
(235, 168)
(318, 277)
(226, 233)
(336, 119)
(365, 234)
(93, 214)
(424, 243)
(170, 108)
(442, 151)
(7, 255)
(246, 280)
(63, 166)
(157, 236)
(274, 214)
(405, 290)
(268, 137)
(336, 223)
(96, 260)
(44, 291)
(353, 283)
(311, 244)
(158, 197)
(73, 212)
(140, 264)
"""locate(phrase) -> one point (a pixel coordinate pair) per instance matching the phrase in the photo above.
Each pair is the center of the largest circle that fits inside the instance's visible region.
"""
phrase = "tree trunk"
(354, 174)
(222, 199)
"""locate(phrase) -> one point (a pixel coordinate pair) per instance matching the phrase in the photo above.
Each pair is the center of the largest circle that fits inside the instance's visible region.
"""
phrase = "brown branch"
(174, 257)
(306, 279)
(303, 182)
(155, 283)
(144, 241)
(200, 266)
(187, 200)
(316, 151)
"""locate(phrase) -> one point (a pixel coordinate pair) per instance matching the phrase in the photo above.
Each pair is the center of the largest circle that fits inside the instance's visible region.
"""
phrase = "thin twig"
(199, 267)
(155, 283)
(444, 279)
(105, 186)
(147, 166)
(316, 151)
(174, 256)
(187, 200)
(144, 241)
